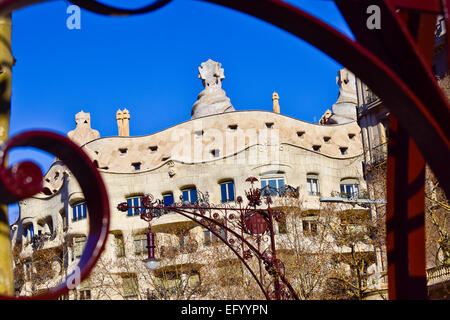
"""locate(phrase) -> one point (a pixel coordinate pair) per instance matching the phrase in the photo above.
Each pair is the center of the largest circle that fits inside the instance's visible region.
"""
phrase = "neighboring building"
(213, 152)
(373, 118)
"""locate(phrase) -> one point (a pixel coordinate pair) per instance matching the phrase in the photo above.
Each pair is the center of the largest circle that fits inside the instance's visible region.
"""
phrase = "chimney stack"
(276, 104)
(123, 122)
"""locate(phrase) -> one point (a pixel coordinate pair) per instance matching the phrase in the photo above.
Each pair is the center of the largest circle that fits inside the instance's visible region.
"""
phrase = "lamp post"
(151, 262)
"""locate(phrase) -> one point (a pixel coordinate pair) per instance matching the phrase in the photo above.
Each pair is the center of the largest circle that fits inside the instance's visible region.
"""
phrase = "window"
(187, 244)
(309, 226)
(326, 139)
(84, 294)
(227, 191)
(199, 132)
(269, 125)
(282, 227)
(343, 150)
(272, 185)
(119, 245)
(79, 211)
(140, 244)
(130, 286)
(350, 188)
(316, 147)
(123, 150)
(40, 227)
(168, 199)
(190, 194)
(153, 148)
(78, 246)
(300, 134)
(134, 201)
(215, 153)
(233, 127)
(351, 135)
(136, 166)
(312, 183)
(28, 232)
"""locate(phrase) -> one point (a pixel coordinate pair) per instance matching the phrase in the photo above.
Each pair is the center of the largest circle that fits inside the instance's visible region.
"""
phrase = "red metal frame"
(388, 60)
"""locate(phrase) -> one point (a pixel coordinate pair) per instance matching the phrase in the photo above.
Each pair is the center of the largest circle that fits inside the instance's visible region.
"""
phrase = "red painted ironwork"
(25, 179)
(432, 6)
(387, 60)
(242, 226)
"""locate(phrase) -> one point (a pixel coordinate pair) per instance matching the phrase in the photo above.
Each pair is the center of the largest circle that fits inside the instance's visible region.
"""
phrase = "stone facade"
(217, 145)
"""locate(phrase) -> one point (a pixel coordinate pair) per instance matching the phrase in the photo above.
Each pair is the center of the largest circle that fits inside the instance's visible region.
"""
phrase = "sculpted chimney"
(276, 104)
(126, 123)
(123, 122)
(119, 117)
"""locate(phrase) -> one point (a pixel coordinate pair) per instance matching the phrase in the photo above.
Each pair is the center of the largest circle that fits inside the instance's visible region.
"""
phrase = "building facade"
(215, 151)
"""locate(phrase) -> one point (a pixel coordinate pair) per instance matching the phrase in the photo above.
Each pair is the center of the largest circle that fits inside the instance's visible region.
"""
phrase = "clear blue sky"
(148, 64)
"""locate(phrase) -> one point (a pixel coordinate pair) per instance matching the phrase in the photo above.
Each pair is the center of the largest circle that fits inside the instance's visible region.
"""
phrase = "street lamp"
(151, 262)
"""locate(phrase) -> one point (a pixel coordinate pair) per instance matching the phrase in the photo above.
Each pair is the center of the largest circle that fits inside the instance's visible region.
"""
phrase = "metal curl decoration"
(25, 179)
(7, 6)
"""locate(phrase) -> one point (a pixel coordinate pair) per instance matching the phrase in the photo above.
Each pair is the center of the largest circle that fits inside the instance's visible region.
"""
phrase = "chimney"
(276, 104)
(119, 117)
(126, 122)
(123, 122)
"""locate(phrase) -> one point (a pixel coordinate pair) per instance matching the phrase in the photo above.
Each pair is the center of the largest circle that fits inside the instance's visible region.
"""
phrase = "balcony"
(39, 241)
(438, 275)
(370, 97)
(378, 156)
(369, 100)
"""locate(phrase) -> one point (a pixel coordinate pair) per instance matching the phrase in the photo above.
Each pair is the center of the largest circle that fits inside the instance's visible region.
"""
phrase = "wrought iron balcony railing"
(38, 241)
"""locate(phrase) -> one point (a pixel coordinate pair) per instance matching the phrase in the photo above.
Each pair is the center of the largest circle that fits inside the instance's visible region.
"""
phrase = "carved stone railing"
(438, 275)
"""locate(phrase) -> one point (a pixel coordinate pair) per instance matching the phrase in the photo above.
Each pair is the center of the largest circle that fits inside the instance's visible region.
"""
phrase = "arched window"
(28, 231)
(227, 191)
(312, 184)
(350, 188)
(134, 201)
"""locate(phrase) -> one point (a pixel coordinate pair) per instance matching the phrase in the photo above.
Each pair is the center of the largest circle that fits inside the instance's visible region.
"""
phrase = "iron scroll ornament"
(25, 179)
(421, 109)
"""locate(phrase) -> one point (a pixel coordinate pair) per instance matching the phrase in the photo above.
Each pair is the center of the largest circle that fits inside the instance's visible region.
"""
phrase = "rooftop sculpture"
(213, 99)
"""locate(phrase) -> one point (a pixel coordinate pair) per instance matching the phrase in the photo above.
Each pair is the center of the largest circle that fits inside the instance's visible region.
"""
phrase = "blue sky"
(148, 64)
